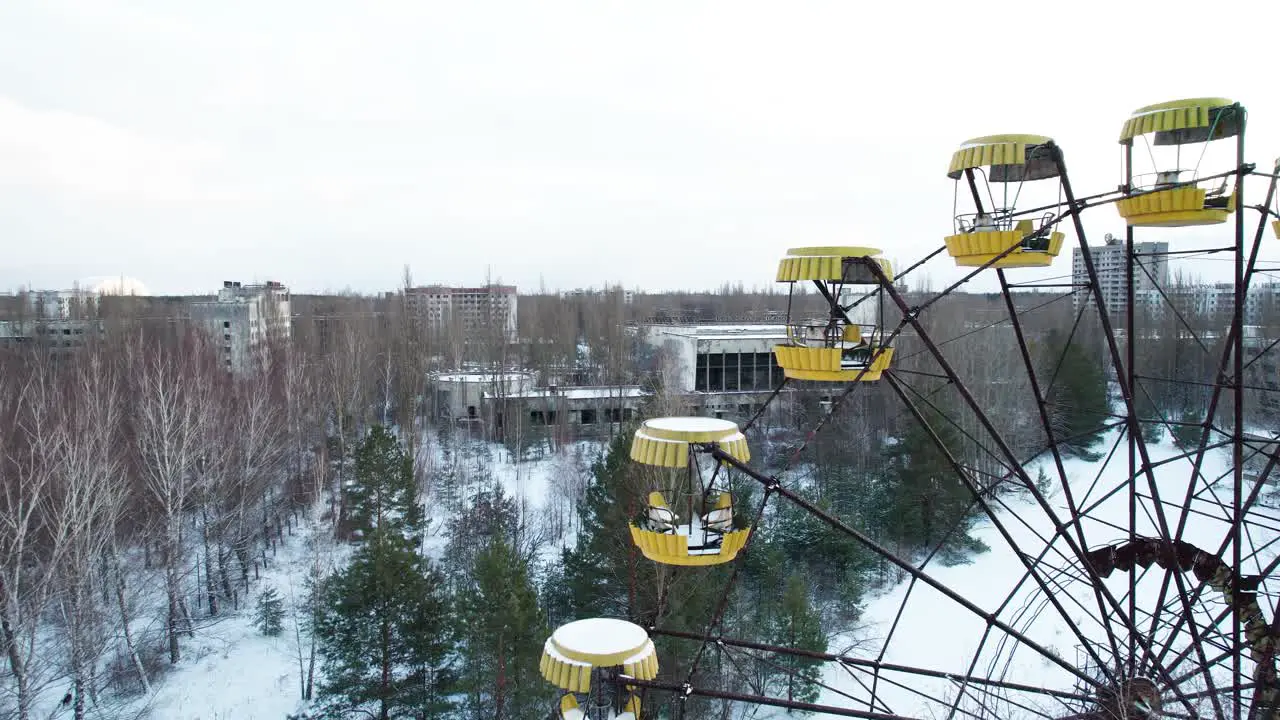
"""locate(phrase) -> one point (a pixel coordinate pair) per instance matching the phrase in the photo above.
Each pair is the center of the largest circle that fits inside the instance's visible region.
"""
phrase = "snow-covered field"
(230, 670)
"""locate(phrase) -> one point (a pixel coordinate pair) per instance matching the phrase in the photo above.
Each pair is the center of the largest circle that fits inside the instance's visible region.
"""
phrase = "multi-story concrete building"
(59, 335)
(472, 310)
(244, 320)
(1109, 262)
(727, 370)
(626, 297)
(60, 320)
(1217, 300)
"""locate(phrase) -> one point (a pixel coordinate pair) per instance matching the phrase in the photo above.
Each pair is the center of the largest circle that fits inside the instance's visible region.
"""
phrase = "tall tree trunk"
(500, 691)
(210, 588)
(311, 671)
(78, 688)
(16, 664)
(384, 687)
(223, 573)
(128, 634)
(171, 589)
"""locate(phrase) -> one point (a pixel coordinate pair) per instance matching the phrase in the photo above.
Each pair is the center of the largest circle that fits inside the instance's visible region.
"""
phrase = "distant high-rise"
(1150, 271)
(244, 320)
(473, 309)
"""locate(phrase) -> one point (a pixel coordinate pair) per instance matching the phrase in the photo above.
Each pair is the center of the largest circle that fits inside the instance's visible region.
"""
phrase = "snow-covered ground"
(230, 670)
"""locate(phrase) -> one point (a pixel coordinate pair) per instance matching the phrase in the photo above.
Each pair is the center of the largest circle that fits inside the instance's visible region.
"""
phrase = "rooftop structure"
(244, 320)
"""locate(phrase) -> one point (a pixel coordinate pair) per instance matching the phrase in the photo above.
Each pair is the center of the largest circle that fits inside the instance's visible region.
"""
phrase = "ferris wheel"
(1138, 586)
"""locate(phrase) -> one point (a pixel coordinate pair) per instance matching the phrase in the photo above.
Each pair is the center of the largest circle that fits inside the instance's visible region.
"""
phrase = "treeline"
(134, 465)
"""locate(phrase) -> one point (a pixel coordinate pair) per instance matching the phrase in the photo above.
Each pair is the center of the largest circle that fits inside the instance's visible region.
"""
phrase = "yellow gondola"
(994, 226)
(848, 343)
(1159, 198)
(687, 521)
(598, 649)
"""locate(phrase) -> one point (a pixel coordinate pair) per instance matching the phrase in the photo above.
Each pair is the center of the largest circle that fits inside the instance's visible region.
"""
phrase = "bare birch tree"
(25, 477)
(82, 508)
(168, 426)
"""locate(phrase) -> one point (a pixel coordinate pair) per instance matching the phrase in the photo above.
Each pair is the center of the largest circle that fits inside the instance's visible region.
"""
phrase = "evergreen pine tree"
(384, 494)
(384, 622)
(922, 497)
(268, 617)
(502, 632)
(1078, 397)
(796, 625)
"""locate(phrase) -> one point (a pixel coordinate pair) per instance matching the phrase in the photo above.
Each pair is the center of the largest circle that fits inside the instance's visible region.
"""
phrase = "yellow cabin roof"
(1179, 122)
(1009, 158)
(827, 263)
(664, 442)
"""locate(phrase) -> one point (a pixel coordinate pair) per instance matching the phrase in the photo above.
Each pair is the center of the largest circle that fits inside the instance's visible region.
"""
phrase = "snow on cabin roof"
(601, 636)
(692, 424)
(724, 332)
(600, 392)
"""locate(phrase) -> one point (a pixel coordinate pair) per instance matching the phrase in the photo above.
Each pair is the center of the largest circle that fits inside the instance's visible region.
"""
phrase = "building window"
(588, 416)
(226, 323)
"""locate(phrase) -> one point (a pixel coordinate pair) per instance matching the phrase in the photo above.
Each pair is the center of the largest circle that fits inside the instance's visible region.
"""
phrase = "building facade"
(473, 310)
(724, 370)
(60, 320)
(1109, 263)
(565, 412)
(244, 320)
(1217, 300)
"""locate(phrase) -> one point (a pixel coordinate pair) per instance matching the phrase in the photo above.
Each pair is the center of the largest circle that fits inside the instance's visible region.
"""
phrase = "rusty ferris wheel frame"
(1128, 673)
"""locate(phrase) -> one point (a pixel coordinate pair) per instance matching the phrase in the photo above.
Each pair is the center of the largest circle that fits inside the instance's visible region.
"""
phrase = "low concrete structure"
(576, 411)
(460, 396)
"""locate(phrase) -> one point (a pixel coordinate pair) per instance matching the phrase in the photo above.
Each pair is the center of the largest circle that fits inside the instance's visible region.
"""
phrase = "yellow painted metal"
(997, 150)
(570, 669)
(1275, 225)
(566, 675)
(823, 364)
(1175, 207)
(673, 549)
(1184, 114)
(838, 250)
(655, 445)
(978, 248)
(825, 263)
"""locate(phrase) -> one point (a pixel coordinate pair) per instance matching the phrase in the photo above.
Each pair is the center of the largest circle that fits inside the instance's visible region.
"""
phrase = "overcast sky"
(659, 144)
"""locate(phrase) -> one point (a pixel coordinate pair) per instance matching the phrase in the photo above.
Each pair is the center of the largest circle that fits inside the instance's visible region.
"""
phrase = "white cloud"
(65, 151)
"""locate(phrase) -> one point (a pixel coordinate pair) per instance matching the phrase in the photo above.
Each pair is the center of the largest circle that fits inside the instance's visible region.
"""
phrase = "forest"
(143, 490)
